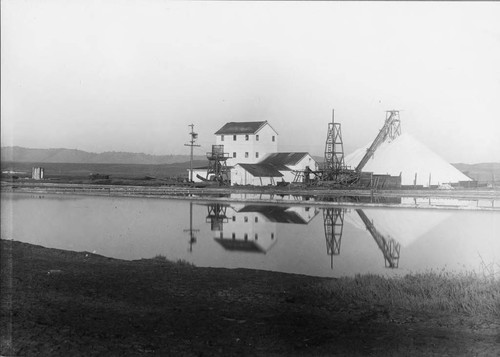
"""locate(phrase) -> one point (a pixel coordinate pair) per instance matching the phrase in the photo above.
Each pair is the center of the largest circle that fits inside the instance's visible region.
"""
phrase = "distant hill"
(21, 154)
(484, 172)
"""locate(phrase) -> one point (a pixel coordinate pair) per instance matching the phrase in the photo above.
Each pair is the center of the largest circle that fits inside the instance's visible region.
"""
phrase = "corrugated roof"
(262, 170)
(249, 127)
(283, 158)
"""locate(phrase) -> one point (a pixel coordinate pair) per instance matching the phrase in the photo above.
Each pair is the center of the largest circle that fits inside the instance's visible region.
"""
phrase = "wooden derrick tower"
(334, 170)
(334, 147)
(333, 219)
(217, 167)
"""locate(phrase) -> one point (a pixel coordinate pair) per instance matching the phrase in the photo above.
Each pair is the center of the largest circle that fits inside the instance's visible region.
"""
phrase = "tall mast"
(192, 144)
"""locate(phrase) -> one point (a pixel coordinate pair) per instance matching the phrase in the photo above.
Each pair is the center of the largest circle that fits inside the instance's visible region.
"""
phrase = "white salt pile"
(408, 156)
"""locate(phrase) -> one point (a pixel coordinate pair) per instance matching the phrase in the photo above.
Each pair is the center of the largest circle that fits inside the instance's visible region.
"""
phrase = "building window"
(256, 155)
(234, 218)
(234, 138)
(246, 137)
(222, 138)
(256, 137)
(234, 235)
(272, 235)
(256, 219)
(274, 138)
(246, 154)
(234, 154)
(246, 236)
(246, 219)
(256, 236)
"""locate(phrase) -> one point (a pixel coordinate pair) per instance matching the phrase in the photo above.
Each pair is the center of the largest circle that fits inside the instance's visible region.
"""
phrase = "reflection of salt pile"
(405, 226)
(408, 156)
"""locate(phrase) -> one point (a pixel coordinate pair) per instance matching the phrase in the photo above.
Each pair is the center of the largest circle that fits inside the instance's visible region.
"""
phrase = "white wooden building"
(254, 159)
(247, 142)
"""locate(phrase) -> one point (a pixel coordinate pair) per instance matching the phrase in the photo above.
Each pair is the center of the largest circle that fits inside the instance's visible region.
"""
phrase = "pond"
(301, 239)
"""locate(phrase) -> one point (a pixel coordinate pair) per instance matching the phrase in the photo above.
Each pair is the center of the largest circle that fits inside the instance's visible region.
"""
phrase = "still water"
(330, 242)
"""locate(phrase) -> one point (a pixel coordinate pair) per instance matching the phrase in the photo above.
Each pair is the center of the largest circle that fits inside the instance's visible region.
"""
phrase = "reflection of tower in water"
(216, 216)
(389, 246)
(333, 219)
(191, 231)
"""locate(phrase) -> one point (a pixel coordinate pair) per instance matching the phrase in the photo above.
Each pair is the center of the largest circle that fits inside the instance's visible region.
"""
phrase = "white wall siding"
(240, 176)
(263, 146)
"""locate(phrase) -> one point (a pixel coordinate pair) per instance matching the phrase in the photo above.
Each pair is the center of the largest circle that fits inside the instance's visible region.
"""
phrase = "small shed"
(37, 173)
(255, 174)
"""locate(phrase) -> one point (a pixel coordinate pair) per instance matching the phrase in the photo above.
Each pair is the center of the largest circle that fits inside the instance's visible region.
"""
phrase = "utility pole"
(194, 136)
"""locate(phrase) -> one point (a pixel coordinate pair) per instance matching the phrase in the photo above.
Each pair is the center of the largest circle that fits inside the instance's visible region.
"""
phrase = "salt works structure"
(395, 153)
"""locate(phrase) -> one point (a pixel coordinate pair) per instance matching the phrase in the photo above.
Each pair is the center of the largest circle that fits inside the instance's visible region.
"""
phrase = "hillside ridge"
(62, 155)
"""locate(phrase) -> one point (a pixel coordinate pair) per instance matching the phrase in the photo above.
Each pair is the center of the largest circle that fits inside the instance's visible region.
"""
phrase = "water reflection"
(191, 231)
(388, 245)
(333, 221)
(304, 239)
(252, 228)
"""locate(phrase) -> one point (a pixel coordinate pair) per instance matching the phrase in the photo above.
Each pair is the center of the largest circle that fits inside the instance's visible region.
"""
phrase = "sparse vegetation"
(93, 305)
(160, 257)
(469, 293)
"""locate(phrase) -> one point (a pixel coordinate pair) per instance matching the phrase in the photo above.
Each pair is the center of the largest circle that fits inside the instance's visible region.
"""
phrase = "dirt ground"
(61, 303)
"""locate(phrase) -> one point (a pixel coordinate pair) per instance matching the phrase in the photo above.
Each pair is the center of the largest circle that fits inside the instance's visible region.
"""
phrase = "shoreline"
(59, 303)
(315, 197)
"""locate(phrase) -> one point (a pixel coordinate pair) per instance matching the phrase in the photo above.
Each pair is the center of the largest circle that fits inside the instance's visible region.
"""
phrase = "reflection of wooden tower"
(217, 167)
(389, 247)
(333, 219)
(216, 216)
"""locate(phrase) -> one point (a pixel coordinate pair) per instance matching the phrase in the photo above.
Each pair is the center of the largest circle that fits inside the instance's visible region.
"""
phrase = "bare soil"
(63, 303)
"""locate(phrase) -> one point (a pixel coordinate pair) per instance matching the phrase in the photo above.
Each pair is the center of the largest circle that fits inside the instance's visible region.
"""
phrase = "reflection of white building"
(252, 228)
(253, 157)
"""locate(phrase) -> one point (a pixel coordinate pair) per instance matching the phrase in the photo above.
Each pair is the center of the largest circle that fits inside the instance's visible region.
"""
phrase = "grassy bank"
(60, 303)
(471, 293)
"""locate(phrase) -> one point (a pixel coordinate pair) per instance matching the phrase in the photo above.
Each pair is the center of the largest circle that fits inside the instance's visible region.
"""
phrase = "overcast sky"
(126, 75)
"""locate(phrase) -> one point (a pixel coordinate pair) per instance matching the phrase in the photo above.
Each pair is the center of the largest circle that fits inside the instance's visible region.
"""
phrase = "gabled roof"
(240, 245)
(262, 170)
(283, 158)
(248, 127)
(277, 214)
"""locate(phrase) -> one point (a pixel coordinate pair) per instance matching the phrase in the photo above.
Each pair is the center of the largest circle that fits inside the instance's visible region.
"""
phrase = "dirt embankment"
(61, 303)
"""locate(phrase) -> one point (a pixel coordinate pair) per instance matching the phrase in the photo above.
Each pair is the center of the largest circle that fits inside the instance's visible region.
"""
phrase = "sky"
(130, 75)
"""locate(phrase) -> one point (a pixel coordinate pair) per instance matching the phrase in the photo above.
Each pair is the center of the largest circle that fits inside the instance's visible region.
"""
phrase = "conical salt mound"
(408, 156)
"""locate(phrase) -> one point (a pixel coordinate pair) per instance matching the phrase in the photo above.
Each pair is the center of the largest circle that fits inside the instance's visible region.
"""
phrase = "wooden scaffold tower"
(335, 170)
(217, 166)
